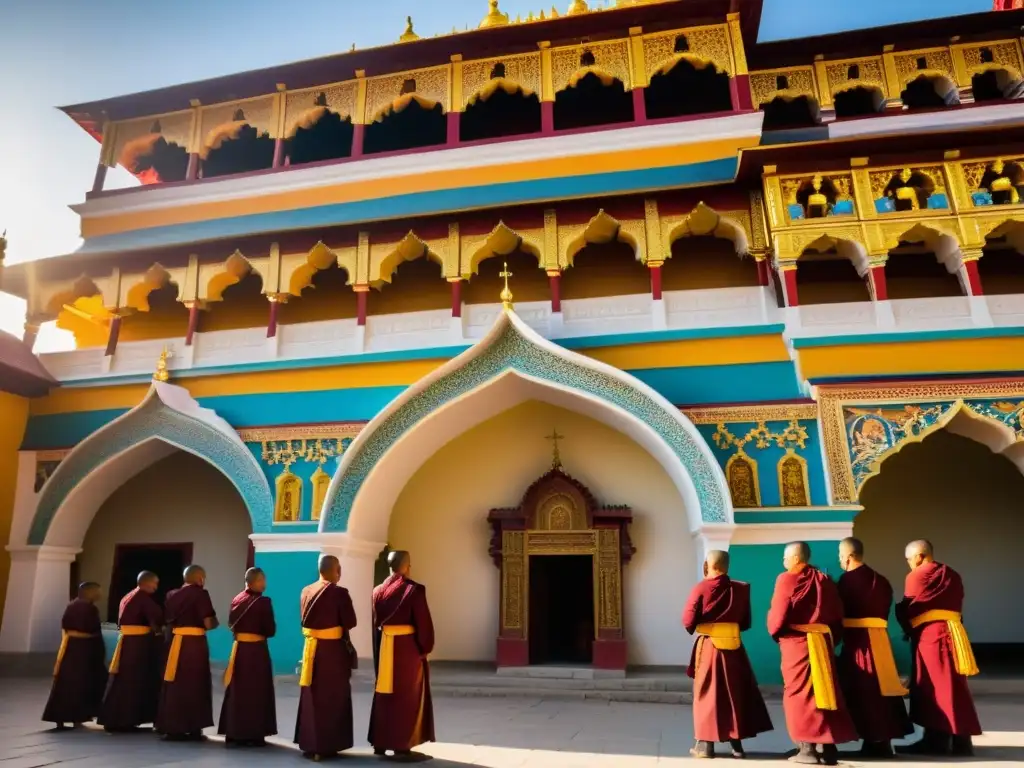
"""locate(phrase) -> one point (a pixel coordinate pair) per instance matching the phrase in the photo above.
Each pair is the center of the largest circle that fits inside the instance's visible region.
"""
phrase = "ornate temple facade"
(558, 304)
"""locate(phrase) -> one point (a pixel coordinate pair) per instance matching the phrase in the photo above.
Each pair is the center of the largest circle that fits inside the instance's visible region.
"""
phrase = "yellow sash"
(386, 663)
(818, 652)
(65, 635)
(171, 670)
(881, 651)
(240, 637)
(309, 650)
(128, 630)
(963, 653)
(725, 636)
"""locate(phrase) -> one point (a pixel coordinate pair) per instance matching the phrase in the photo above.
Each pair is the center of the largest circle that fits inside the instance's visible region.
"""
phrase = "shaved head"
(89, 590)
(330, 568)
(255, 579)
(919, 547)
(718, 561)
(399, 561)
(195, 574)
(146, 577)
(800, 551)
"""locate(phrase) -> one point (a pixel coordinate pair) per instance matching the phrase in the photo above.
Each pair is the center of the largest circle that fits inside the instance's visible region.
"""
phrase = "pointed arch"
(166, 419)
(703, 221)
(601, 229)
(1011, 229)
(82, 287)
(155, 278)
(321, 257)
(501, 241)
(235, 267)
(941, 241)
(852, 250)
(510, 364)
(386, 257)
(929, 88)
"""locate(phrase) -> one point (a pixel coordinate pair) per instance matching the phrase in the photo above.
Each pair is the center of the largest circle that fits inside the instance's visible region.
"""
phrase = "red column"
(555, 281)
(362, 291)
(278, 153)
(763, 275)
(789, 284)
(115, 331)
(192, 172)
(358, 132)
(193, 322)
(639, 106)
(973, 278)
(99, 178)
(876, 275)
(547, 117)
(272, 320)
(456, 298)
(655, 280)
(739, 86)
(452, 137)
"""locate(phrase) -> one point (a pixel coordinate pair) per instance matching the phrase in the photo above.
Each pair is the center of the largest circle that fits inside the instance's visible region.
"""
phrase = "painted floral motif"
(513, 352)
(155, 420)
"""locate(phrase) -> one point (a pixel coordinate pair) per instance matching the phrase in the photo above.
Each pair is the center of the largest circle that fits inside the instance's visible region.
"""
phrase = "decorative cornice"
(333, 431)
(745, 413)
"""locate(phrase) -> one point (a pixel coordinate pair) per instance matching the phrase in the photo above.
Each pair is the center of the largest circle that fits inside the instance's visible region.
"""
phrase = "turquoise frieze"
(875, 431)
(154, 420)
(512, 351)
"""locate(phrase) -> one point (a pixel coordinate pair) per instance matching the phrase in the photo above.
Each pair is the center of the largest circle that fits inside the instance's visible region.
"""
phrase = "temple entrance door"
(167, 561)
(561, 622)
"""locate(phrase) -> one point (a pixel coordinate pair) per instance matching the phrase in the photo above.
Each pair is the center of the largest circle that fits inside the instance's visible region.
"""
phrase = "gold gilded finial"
(410, 34)
(506, 293)
(494, 17)
(577, 7)
(161, 373)
(556, 459)
(905, 175)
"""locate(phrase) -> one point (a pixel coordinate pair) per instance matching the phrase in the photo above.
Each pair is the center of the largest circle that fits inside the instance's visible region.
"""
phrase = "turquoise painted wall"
(287, 574)
(768, 459)
(760, 564)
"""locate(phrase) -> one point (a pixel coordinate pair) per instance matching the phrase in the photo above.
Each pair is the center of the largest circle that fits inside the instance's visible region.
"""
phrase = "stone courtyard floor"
(497, 732)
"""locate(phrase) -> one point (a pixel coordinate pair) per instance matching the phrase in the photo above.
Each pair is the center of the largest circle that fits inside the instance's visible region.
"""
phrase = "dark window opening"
(688, 90)
(590, 102)
(415, 126)
(501, 114)
(164, 162)
(329, 138)
(248, 151)
(918, 276)
(1001, 271)
(829, 279)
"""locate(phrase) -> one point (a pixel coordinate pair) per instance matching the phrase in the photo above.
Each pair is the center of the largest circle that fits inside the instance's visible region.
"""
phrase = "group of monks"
(828, 700)
(160, 670)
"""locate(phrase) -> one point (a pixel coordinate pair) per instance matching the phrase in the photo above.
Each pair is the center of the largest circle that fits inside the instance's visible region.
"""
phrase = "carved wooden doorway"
(559, 519)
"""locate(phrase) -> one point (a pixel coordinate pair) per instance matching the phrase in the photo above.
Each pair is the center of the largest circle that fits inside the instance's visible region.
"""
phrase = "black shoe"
(962, 746)
(737, 749)
(880, 750)
(703, 750)
(806, 754)
(829, 754)
(380, 752)
(932, 744)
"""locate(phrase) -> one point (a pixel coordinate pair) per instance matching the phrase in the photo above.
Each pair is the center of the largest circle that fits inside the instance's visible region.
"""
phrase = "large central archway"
(510, 365)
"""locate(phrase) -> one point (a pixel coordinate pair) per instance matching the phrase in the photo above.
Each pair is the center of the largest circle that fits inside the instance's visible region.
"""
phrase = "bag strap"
(309, 608)
(231, 627)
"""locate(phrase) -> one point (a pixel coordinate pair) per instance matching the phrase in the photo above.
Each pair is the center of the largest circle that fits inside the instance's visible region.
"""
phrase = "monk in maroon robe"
(867, 668)
(402, 715)
(186, 696)
(806, 619)
(727, 704)
(249, 712)
(80, 673)
(135, 669)
(324, 724)
(930, 613)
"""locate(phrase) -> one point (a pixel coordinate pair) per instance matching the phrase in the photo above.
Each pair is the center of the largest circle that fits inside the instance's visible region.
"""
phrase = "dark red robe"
(808, 597)
(324, 722)
(134, 689)
(727, 703)
(186, 705)
(404, 718)
(867, 594)
(78, 686)
(940, 699)
(249, 712)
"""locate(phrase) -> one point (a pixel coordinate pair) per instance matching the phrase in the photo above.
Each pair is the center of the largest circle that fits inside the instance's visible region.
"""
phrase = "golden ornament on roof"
(506, 292)
(161, 373)
(494, 17)
(410, 34)
(577, 7)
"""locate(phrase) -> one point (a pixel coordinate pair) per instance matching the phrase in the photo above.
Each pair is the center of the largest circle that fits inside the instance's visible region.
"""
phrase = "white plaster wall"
(180, 498)
(967, 502)
(441, 517)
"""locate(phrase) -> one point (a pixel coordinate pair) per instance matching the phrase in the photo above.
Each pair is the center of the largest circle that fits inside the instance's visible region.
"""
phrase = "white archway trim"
(510, 364)
(168, 418)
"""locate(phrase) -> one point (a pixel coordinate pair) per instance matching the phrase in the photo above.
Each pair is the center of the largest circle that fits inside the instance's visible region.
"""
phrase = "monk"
(806, 620)
(867, 667)
(402, 714)
(249, 712)
(135, 669)
(727, 704)
(80, 674)
(930, 613)
(186, 697)
(323, 727)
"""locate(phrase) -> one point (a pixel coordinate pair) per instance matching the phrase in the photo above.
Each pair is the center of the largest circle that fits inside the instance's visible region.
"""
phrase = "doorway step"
(554, 672)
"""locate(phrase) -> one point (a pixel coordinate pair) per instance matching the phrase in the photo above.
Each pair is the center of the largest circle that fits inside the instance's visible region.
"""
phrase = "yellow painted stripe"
(664, 354)
(605, 162)
(950, 356)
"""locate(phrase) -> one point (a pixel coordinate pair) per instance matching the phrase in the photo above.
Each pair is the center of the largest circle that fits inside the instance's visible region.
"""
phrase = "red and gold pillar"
(275, 299)
(547, 89)
(362, 293)
(876, 281)
(971, 276)
(456, 284)
(787, 275)
(655, 267)
(555, 281)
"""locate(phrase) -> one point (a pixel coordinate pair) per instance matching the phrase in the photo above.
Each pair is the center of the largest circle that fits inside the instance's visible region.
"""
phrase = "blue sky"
(55, 52)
